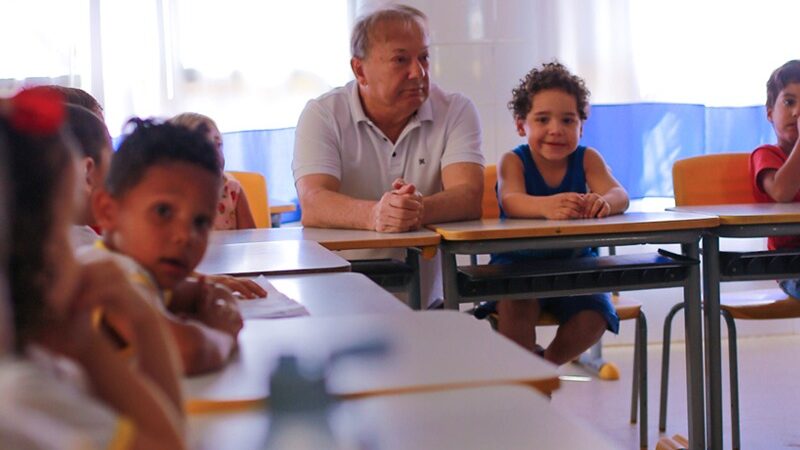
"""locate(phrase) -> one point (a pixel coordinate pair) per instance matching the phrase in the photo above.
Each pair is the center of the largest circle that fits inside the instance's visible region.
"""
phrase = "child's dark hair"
(152, 143)
(550, 76)
(90, 132)
(37, 164)
(782, 76)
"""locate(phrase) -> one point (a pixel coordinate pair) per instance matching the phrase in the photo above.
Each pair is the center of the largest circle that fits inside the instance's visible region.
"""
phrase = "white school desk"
(418, 242)
(497, 235)
(334, 294)
(736, 221)
(430, 350)
(497, 417)
(275, 258)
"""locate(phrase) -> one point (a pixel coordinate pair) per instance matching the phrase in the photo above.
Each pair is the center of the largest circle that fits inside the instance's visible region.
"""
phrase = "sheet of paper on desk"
(275, 306)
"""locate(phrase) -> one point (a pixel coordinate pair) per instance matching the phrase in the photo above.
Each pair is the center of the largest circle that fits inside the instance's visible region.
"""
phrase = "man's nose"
(417, 70)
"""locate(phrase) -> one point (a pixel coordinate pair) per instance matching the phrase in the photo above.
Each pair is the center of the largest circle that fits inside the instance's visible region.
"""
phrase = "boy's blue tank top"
(574, 181)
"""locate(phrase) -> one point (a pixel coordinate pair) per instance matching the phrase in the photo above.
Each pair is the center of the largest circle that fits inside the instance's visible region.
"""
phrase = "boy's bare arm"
(159, 423)
(602, 182)
(783, 184)
(202, 348)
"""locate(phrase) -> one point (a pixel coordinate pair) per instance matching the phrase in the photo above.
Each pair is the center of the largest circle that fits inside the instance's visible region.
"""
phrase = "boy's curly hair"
(551, 75)
(783, 75)
(152, 143)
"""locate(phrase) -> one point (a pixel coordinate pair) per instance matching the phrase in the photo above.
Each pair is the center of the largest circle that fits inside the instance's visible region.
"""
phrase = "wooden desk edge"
(200, 405)
(469, 235)
(398, 242)
(278, 209)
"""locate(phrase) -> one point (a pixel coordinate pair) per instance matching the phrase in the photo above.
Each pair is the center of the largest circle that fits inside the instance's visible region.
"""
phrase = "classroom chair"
(255, 187)
(626, 310)
(720, 179)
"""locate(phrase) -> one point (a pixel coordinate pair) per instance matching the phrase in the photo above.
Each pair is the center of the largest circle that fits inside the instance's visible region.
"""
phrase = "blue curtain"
(640, 142)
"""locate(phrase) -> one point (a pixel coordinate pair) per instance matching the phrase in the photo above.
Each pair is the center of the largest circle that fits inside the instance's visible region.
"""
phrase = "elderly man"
(389, 151)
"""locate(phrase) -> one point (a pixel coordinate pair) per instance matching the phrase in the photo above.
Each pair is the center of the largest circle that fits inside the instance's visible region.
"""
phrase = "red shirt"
(763, 158)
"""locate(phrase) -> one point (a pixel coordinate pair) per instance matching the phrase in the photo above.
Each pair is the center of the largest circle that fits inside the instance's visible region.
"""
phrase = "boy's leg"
(575, 336)
(517, 321)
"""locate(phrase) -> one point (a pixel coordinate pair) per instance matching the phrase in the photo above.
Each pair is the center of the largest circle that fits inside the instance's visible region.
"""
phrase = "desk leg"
(449, 282)
(713, 345)
(414, 295)
(694, 352)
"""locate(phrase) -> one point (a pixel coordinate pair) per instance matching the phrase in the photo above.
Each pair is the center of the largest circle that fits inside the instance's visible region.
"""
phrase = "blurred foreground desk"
(430, 350)
(270, 258)
(500, 417)
(586, 275)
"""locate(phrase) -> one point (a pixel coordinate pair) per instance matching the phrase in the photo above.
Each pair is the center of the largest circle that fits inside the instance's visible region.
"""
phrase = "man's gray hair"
(365, 26)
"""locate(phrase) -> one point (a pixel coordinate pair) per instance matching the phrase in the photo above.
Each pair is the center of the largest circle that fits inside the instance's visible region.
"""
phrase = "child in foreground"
(552, 177)
(68, 385)
(156, 213)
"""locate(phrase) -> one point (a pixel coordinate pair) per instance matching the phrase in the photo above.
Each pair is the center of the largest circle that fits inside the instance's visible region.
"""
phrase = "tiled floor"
(769, 385)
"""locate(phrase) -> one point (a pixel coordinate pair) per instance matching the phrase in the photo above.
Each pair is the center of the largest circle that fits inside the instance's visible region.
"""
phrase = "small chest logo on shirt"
(421, 161)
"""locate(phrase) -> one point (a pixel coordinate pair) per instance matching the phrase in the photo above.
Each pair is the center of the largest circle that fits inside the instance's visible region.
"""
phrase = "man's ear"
(105, 209)
(520, 124)
(769, 114)
(357, 66)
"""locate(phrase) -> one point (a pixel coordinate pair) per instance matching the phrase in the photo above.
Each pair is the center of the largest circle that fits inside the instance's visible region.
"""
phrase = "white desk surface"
(497, 417)
(525, 228)
(336, 294)
(331, 238)
(271, 258)
(428, 350)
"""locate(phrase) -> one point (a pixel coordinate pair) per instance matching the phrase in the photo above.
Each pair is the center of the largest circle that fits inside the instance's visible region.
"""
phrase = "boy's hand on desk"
(217, 309)
(567, 205)
(595, 206)
(248, 289)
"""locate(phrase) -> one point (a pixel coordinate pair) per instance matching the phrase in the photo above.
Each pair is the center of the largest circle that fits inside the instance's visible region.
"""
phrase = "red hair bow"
(37, 110)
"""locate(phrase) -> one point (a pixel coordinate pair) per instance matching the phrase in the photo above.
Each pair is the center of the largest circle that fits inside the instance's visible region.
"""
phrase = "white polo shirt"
(335, 137)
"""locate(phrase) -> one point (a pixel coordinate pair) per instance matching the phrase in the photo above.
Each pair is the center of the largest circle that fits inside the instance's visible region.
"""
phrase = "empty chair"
(255, 187)
(720, 179)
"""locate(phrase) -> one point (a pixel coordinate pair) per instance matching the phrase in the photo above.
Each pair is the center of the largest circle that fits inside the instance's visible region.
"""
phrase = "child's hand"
(104, 285)
(595, 206)
(567, 205)
(217, 309)
(248, 289)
